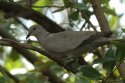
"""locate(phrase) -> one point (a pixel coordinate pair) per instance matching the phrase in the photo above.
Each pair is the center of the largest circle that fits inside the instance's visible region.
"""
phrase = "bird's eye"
(34, 28)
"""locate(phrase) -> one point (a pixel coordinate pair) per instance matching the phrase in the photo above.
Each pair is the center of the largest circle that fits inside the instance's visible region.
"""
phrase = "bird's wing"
(66, 41)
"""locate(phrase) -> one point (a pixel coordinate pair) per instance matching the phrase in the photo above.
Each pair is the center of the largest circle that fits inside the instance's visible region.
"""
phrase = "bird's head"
(35, 30)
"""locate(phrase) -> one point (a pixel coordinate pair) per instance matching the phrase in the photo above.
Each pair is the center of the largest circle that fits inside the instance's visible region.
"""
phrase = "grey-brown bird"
(59, 42)
(66, 42)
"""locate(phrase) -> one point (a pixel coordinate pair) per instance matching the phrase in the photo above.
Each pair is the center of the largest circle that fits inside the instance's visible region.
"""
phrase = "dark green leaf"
(109, 66)
(14, 55)
(74, 16)
(80, 6)
(89, 72)
(86, 1)
(103, 60)
(86, 12)
(109, 11)
(101, 1)
(104, 1)
(82, 80)
(32, 77)
(111, 52)
(120, 54)
(123, 30)
(67, 3)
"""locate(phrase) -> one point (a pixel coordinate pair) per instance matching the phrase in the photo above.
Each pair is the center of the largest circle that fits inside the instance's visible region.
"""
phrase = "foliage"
(74, 16)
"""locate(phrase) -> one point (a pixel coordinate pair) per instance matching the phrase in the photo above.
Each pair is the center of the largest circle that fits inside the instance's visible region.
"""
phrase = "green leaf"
(111, 52)
(42, 3)
(32, 77)
(123, 30)
(113, 22)
(83, 80)
(101, 1)
(104, 1)
(109, 11)
(80, 6)
(74, 15)
(89, 72)
(120, 54)
(103, 60)
(14, 55)
(67, 3)
(86, 1)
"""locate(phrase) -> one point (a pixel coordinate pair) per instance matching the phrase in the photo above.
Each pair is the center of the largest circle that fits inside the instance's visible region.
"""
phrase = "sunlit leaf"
(113, 22)
(42, 3)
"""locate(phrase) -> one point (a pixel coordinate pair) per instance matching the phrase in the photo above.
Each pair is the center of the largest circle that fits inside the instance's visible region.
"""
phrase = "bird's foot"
(68, 60)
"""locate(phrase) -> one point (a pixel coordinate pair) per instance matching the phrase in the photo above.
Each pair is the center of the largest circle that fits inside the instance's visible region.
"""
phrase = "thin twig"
(25, 27)
(9, 42)
(30, 2)
(88, 21)
(16, 10)
(45, 6)
(8, 75)
(113, 71)
(83, 26)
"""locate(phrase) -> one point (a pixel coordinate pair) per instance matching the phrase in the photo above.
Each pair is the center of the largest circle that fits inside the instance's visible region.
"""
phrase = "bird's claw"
(68, 61)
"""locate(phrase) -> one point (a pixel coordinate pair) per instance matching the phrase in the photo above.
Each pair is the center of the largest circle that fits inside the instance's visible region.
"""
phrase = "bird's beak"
(28, 35)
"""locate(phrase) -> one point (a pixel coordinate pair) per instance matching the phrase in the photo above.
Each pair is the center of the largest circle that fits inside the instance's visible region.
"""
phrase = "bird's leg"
(68, 59)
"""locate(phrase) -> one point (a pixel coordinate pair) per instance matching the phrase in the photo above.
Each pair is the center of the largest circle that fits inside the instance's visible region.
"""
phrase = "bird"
(63, 43)
(59, 42)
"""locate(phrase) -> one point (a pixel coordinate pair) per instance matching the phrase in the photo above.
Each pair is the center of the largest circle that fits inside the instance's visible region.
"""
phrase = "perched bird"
(66, 42)
(59, 42)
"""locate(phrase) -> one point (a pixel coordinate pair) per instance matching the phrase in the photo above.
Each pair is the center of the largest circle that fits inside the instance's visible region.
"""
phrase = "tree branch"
(88, 21)
(25, 53)
(121, 70)
(16, 10)
(54, 6)
(100, 16)
(5, 72)
(15, 44)
(54, 78)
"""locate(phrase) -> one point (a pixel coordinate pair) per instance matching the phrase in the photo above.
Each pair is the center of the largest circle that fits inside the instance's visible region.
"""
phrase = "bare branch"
(4, 71)
(88, 21)
(54, 6)
(15, 44)
(100, 16)
(25, 53)
(16, 10)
